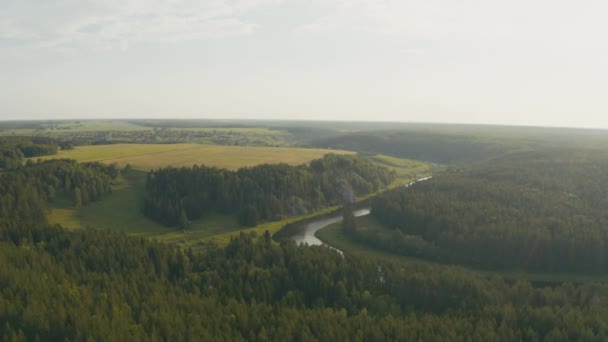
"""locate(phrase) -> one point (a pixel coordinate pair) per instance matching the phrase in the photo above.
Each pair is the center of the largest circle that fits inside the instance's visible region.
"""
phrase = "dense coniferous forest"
(541, 211)
(266, 192)
(88, 284)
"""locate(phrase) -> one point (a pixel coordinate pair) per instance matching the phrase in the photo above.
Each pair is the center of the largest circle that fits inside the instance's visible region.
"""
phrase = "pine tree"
(183, 220)
(77, 197)
(348, 220)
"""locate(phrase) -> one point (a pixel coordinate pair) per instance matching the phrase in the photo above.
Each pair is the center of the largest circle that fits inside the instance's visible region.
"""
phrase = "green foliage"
(183, 220)
(461, 144)
(10, 157)
(77, 198)
(32, 146)
(348, 220)
(248, 216)
(100, 285)
(13, 150)
(536, 211)
(26, 192)
(261, 193)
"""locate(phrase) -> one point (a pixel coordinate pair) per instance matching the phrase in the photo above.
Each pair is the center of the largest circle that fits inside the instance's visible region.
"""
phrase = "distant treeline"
(431, 147)
(13, 150)
(538, 211)
(266, 192)
(462, 144)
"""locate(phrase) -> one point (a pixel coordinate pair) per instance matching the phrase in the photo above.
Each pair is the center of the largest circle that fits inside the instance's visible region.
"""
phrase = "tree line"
(14, 149)
(460, 144)
(538, 211)
(174, 196)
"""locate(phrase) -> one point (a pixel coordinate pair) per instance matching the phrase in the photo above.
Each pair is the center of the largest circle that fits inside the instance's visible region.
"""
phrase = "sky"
(532, 62)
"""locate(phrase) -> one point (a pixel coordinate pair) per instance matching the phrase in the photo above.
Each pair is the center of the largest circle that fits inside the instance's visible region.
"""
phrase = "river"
(306, 235)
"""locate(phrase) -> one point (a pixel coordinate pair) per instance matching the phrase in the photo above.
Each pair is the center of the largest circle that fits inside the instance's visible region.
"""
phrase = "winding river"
(306, 235)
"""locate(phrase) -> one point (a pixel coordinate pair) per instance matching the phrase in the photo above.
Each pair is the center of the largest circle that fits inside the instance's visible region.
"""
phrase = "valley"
(464, 233)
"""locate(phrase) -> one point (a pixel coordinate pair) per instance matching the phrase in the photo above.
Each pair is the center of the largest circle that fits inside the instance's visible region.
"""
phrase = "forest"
(535, 211)
(98, 285)
(14, 150)
(174, 196)
(25, 193)
(460, 144)
(540, 210)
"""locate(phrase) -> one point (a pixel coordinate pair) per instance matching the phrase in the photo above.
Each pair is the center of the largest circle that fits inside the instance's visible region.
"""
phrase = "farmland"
(145, 157)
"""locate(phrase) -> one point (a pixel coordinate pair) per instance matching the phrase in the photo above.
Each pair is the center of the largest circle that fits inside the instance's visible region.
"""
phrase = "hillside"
(461, 144)
(535, 211)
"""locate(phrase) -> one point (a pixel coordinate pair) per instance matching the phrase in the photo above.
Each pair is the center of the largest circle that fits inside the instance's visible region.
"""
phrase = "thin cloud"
(487, 20)
(109, 23)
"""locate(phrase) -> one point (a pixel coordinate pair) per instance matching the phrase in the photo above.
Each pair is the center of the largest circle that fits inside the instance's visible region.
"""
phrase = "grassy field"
(334, 236)
(407, 170)
(120, 211)
(149, 156)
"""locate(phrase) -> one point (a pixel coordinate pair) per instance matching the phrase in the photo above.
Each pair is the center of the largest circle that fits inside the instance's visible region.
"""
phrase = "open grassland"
(335, 236)
(407, 170)
(145, 157)
(120, 211)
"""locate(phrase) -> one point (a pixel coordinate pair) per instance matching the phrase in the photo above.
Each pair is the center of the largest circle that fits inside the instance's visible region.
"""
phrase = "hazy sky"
(538, 62)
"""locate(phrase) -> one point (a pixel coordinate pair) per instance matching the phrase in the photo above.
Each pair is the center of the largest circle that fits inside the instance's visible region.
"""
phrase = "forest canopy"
(174, 196)
(540, 211)
(100, 285)
(86, 284)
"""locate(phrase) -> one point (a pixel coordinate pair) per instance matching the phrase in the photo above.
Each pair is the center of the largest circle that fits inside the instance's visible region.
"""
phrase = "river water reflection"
(307, 234)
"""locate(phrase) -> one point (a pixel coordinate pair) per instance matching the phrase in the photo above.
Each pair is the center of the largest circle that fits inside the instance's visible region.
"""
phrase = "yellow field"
(149, 156)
